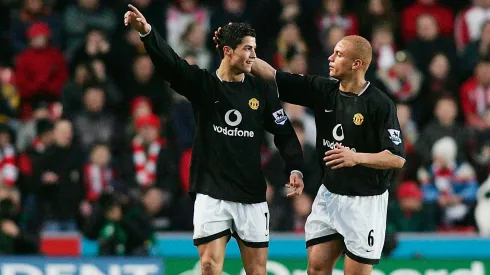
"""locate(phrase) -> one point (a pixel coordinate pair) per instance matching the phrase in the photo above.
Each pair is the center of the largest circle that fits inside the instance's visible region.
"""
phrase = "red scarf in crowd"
(145, 162)
(8, 169)
(97, 179)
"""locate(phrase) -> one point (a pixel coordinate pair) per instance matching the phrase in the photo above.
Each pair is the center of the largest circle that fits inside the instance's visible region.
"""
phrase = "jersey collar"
(243, 80)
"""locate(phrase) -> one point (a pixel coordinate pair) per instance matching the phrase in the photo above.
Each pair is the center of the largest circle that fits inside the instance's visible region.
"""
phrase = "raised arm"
(172, 68)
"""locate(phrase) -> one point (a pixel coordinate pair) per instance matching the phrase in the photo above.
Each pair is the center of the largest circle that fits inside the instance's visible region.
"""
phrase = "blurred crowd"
(92, 139)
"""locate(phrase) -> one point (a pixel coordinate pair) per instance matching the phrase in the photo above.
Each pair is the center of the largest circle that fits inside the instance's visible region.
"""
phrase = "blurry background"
(95, 146)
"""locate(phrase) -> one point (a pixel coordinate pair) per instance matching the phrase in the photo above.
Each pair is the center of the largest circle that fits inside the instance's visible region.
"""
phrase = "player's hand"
(341, 157)
(217, 34)
(296, 184)
(137, 21)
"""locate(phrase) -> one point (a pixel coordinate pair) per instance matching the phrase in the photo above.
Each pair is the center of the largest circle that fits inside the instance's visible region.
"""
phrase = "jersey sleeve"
(304, 90)
(277, 123)
(182, 76)
(390, 132)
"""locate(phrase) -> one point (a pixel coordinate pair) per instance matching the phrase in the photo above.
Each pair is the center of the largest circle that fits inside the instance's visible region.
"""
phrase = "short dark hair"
(232, 35)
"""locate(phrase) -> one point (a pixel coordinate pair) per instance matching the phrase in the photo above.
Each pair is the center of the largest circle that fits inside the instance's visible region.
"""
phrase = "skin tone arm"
(263, 70)
(343, 157)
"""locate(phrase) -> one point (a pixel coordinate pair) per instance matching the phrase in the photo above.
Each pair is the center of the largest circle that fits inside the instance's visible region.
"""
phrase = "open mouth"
(249, 62)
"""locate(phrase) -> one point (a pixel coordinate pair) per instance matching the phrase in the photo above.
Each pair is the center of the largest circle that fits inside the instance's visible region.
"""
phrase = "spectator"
(193, 39)
(402, 81)
(440, 82)
(28, 160)
(329, 39)
(443, 17)
(151, 161)
(469, 22)
(475, 95)
(27, 131)
(98, 174)
(429, 42)
(9, 102)
(289, 40)
(449, 185)
(333, 14)
(299, 113)
(9, 172)
(86, 73)
(40, 70)
(71, 98)
(83, 16)
(146, 83)
(33, 11)
(384, 50)
(140, 106)
(475, 50)
(95, 46)
(93, 124)
(180, 15)
(59, 179)
(444, 124)
(378, 12)
(407, 213)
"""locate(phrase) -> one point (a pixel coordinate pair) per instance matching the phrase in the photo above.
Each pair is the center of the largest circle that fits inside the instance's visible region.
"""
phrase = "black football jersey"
(365, 123)
(230, 121)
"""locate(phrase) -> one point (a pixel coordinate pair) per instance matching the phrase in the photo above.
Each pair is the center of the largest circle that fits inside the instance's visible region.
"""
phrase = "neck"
(354, 85)
(226, 73)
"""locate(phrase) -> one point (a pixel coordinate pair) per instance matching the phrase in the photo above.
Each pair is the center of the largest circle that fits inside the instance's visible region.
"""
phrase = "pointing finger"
(135, 10)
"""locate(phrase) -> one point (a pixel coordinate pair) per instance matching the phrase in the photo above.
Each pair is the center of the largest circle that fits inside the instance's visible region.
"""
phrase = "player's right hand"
(137, 21)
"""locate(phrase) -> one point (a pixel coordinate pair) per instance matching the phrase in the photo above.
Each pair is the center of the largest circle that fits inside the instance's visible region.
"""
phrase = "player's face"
(244, 55)
(341, 61)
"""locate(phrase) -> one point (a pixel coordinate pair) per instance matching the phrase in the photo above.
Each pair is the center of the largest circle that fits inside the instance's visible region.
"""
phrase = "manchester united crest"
(253, 103)
(358, 119)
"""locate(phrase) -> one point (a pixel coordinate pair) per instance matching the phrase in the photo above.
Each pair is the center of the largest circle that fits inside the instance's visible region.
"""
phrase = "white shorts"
(215, 218)
(359, 221)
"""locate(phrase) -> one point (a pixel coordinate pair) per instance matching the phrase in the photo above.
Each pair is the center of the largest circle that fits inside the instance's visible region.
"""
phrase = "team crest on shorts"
(253, 103)
(358, 119)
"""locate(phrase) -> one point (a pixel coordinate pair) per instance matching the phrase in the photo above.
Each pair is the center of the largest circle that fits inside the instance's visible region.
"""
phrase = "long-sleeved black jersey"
(230, 121)
(365, 123)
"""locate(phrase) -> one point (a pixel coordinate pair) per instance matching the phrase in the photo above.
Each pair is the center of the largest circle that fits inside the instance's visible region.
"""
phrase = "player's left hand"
(340, 157)
(295, 183)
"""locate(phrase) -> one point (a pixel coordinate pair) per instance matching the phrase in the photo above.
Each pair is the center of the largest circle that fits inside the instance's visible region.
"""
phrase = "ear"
(227, 50)
(357, 64)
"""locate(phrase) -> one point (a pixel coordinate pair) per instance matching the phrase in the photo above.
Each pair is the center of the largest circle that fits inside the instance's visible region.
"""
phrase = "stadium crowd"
(92, 139)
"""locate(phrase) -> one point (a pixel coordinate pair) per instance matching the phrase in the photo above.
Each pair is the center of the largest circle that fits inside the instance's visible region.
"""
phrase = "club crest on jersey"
(358, 119)
(253, 103)
(280, 117)
(395, 136)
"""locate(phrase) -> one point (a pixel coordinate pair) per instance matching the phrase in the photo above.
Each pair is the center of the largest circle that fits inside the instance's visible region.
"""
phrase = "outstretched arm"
(263, 70)
(173, 69)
